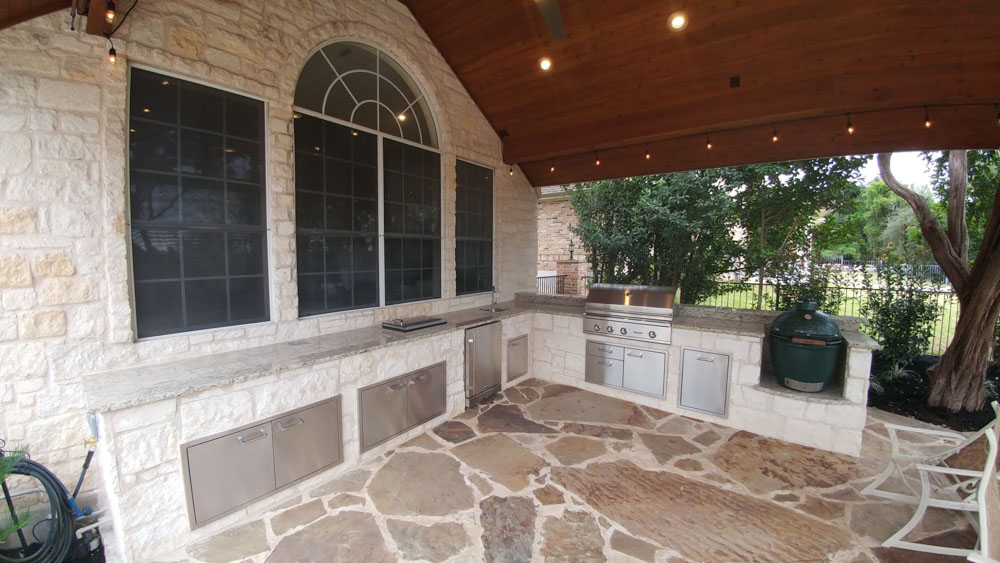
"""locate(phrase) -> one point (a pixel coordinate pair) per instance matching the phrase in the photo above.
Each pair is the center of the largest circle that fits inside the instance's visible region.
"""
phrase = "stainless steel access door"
(230, 471)
(306, 441)
(704, 381)
(482, 361)
(645, 371)
(383, 412)
(426, 394)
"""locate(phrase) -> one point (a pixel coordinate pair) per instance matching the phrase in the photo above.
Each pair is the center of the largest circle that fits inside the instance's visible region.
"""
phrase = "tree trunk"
(957, 380)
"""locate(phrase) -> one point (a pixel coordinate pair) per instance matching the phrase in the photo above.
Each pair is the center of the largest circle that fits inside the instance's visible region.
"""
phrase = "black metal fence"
(551, 285)
(923, 271)
(744, 296)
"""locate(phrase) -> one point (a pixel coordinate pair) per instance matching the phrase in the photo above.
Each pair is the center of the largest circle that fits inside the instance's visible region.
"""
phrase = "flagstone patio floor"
(548, 472)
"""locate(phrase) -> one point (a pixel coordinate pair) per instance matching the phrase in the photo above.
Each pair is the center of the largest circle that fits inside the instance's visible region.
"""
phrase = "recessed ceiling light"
(401, 117)
(545, 63)
(678, 21)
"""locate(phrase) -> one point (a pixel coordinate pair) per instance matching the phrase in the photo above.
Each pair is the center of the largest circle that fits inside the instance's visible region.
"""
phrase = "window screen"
(473, 228)
(196, 175)
(336, 216)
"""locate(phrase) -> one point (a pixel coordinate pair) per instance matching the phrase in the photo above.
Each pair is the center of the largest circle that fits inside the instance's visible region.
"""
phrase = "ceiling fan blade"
(552, 18)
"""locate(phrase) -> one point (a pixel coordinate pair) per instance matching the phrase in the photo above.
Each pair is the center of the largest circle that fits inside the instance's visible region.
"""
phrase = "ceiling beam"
(14, 12)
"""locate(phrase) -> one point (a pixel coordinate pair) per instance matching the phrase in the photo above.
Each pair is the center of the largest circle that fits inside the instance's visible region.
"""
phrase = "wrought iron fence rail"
(551, 285)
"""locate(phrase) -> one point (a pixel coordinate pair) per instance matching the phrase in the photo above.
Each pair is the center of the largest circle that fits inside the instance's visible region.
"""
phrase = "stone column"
(572, 276)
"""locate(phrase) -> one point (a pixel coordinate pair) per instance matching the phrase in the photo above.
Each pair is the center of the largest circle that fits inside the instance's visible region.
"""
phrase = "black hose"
(57, 543)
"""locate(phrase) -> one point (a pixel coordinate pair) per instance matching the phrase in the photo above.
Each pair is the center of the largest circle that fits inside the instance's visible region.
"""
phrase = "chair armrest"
(927, 432)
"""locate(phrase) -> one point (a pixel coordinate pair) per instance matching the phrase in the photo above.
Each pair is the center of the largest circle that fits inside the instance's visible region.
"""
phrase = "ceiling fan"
(552, 18)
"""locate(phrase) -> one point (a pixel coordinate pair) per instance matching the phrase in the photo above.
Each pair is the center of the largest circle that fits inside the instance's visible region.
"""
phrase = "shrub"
(815, 282)
(901, 309)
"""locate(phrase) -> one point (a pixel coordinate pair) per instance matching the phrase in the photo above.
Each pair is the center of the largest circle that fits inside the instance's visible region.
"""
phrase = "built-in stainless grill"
(639, 312)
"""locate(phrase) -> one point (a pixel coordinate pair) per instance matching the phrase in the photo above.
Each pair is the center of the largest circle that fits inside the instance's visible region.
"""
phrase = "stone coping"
(143, 384)
(724, 320)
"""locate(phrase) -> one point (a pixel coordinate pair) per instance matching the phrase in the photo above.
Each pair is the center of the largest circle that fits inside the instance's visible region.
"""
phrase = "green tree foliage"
(901, 309)
(809, 280)
(984, 176)
(778, 203)
(669, 229)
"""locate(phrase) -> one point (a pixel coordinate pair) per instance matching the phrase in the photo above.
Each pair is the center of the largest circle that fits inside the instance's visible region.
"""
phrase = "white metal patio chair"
(988, 498)
(952, 445)
(955, 488)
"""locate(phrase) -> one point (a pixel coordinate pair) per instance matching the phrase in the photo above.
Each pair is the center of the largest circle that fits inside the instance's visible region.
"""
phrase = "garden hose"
(57, 542)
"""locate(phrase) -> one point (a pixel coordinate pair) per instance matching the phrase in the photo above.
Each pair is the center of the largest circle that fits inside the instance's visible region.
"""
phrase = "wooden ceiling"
(16, 11)
(623, 79)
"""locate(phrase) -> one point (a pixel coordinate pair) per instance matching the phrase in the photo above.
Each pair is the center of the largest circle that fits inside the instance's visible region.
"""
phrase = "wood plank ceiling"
(13, 12)
(623, 83)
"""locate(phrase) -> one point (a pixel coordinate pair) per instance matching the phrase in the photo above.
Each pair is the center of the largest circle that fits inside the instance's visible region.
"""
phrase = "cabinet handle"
(515, 344)
(418, 379)
(296, 422)
(635, 354)
(243, 440)
(603, 363)
(398, 386)
(701, 358)
(603, 349)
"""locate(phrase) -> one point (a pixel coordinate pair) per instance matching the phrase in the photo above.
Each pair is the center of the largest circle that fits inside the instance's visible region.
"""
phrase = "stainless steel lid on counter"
(412, 323)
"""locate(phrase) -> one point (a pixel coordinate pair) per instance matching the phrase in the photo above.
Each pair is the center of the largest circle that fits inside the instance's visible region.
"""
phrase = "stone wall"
(555, 218)
(64, 273)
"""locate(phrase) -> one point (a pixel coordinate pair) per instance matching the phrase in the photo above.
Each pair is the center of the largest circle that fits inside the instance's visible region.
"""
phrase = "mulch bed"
(908, 397)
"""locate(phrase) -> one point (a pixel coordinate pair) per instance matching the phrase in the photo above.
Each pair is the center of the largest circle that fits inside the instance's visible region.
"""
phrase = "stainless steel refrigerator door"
(306, 441)
(482, 359)
(383, 412)
(426, 395)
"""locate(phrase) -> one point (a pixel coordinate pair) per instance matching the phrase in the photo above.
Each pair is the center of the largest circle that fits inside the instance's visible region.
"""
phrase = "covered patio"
(555, 473)
(220, 219)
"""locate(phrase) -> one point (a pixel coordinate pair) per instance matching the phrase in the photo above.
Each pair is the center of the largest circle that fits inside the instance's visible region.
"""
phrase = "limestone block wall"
(65, 311)
(823, 421)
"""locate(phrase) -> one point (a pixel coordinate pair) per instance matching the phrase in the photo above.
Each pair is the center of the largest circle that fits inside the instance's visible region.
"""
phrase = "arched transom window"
(360, 84)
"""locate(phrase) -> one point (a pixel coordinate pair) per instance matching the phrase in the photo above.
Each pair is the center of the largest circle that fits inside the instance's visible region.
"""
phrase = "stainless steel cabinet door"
(426, 394)
(517, 357)
(230, 471)
(482, 359)
(645, 371)
(603, 371)
(306, 441)
(704, 382)
(383, 412)
(603, 350)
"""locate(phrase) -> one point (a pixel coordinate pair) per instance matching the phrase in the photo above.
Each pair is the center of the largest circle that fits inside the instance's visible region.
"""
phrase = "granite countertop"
(138, 385)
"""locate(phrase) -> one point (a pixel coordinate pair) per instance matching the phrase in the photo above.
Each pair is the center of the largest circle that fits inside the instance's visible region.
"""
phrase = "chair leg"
(896, 540)
(872, 488)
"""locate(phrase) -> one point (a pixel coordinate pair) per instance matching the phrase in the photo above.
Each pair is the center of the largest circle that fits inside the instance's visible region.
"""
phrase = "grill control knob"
(623, 331)
(610, 329)
(597, 326)
(652, 334)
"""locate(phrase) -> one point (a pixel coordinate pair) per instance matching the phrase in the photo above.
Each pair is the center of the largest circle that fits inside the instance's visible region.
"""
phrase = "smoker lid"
(658, 297)
(806, 321)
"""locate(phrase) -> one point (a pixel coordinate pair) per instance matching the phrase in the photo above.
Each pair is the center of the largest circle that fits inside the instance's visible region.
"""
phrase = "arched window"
(367, 183)
(360, 84)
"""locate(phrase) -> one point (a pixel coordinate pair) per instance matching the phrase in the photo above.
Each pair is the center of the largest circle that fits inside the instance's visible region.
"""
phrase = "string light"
(850, 126)
(774, 134)
(113, 55)
(648, 156)
(510, 171)
(597, 161)
(109, 15)
(552, 166)
(708, 142)
(927, 118)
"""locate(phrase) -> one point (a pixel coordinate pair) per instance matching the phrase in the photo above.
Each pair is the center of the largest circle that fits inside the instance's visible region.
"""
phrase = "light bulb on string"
(708, 143)
(927, 118)
(113, 55)
(648, 156)
(850, 126)
(597, 161)
(510, 171)
(552, 166)
(109, 14)
(774, 134)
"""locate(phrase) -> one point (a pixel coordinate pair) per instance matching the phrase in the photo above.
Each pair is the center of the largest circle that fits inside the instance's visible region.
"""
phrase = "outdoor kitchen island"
(147, 413)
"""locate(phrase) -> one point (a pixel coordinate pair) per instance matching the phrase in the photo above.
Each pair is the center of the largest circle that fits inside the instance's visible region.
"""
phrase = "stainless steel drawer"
(605, 350)
(517, 357)
(230, 471)
(425, 394)
(383, 412)
(645, 371)
(604, 371)
(306, 441)
(704, 381)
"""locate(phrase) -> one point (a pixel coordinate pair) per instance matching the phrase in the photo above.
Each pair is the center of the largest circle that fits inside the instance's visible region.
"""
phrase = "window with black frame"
(197, 206)
(336, 216)
(357, 109)
(473, 228)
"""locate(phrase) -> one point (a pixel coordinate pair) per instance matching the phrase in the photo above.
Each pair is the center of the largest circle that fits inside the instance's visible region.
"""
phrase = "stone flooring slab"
(633, 547)
(418, 484)
(348, 536)
(235, 543)
(436, 542)
(350, 482)
(298, 516)
(549, 495)
(572, 538)
(504, 460)
(572, 450)
(696, 519)
(454, 431)
(598, 431)
(666, 448)
(508, 419)
(577, 405)
(508, 528)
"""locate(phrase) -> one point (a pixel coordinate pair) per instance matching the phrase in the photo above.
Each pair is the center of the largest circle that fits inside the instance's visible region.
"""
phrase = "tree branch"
(958, 175)
(946, 255)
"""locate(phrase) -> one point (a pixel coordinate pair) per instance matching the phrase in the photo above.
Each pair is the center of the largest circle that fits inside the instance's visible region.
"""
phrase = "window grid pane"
(196, 169)
(336, 202)
(473, 228)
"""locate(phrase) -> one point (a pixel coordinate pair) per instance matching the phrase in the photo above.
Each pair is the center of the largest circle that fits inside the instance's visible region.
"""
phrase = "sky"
(908, 168)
